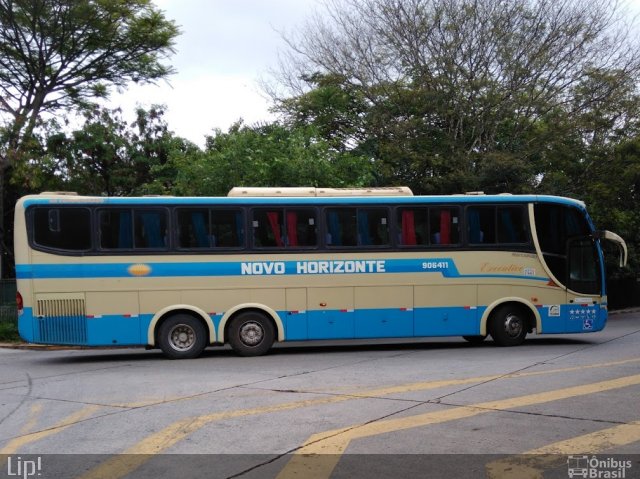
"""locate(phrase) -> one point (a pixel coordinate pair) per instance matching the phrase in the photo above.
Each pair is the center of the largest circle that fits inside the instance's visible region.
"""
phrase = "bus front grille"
(61, 321)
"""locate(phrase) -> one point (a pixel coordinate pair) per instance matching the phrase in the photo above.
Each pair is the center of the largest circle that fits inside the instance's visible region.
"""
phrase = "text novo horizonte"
(313, 267)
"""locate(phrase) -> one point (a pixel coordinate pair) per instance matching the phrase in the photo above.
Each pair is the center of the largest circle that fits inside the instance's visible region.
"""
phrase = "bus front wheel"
(508, 325)
(251, 334)
(182, 337)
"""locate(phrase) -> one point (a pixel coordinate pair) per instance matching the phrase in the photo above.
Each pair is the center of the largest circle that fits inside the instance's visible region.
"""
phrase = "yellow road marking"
(532, 464)
(320, 454)
(133, 457)
(34, 412)
(16, 443)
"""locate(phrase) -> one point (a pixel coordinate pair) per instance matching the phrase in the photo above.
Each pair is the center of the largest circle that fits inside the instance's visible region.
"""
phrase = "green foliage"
(9, 332)
(267, 155)
(64, 53)
(454, 95)
(107, 156)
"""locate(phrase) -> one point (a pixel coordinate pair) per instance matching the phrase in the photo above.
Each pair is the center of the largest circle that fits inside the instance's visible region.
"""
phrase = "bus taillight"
(19, 302)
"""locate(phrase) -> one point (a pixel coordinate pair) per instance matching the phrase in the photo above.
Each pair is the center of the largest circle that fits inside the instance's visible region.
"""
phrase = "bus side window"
(284, 228)
(116, 229)
(226, 229)
(268, 228)
(511, 225)
(66, 229)
(413, 225)
(150, 229)
(357, 226)
(481, 224)
(373, 227)
(193, 228)
(301, 228)
(445, 225)
(342, 227)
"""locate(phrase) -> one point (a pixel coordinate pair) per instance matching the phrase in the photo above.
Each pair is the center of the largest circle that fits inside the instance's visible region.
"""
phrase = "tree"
(455, 89)
(58, 54)
(61, 54)
(264, 155)
(106, 156)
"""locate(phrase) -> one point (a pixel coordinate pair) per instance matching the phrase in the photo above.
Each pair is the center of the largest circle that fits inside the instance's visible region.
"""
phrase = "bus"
(265, 265)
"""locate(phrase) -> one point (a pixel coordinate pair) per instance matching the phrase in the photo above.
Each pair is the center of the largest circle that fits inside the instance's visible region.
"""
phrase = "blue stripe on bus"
(445, 266)
(114, 329)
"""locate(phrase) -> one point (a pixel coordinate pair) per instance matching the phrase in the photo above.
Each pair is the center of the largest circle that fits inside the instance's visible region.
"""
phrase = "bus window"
(357, 227)
(301, 228)
(66, 229)
(429, 226)
(207, 228)
(496, 225)
(511, 225)
(284, 228)
(193, 228)
(115, 229)
(413, 224)
(444, 226)
(583, 266)
(122, 228)
(481, 221)
(227, 229)
(373, 227)
(150, 229)
(555, 226)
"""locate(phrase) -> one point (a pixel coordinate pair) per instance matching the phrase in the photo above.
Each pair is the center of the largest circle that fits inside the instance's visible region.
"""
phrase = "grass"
(9, 332)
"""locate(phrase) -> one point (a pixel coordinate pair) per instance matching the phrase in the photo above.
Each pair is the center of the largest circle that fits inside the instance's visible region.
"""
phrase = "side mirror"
(614, 238)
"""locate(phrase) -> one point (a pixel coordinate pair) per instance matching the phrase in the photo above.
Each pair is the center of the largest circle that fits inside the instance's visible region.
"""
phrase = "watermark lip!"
(594, 467)
(18, 467)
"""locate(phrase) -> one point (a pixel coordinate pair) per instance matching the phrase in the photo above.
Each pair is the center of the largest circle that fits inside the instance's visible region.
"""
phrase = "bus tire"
(508, 325)
(475, 339)
(182, 337)
(251, 333)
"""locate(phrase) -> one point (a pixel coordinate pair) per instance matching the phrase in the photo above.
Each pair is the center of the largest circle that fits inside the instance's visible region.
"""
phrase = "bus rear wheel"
(251, 334)
(182, 337)
(508, 325)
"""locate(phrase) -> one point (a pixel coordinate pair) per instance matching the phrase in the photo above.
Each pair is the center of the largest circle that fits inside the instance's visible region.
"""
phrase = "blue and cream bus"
(294, 264)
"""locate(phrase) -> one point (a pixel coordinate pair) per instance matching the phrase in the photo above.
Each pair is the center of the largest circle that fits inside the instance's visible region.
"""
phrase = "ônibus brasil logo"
(592, 467)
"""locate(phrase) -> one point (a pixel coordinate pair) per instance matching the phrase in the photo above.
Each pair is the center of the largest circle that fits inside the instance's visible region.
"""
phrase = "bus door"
(572, 255)
(584, 286)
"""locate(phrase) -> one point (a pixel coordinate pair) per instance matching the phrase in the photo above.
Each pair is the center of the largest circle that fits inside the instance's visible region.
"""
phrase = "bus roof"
(241, 191)
(329, 199)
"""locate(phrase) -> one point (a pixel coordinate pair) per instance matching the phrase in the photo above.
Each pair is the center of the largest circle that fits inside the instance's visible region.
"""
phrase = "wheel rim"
(251, 333)
(513, 325)
(182, 337)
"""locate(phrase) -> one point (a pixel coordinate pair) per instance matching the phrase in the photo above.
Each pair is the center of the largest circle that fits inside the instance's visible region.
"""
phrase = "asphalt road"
(554, 407)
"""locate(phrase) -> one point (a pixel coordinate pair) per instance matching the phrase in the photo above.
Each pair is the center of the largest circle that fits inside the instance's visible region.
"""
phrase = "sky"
(225, 48)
